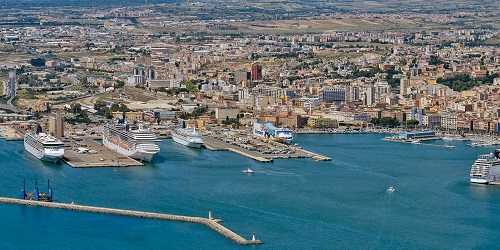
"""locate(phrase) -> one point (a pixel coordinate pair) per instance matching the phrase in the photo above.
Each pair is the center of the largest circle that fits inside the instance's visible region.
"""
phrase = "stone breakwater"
(208, 222)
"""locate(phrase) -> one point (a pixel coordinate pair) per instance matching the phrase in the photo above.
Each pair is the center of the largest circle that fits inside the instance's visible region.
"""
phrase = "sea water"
(289, 204)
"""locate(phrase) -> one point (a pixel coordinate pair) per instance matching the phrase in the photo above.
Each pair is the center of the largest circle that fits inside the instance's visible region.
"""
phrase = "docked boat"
(481, 144)
(268, 130)
(138, 142)
(43, 146)
(486, 168)
(187, 137)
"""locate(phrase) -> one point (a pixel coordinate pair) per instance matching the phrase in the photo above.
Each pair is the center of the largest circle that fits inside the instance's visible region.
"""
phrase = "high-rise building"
(335, 94)
(404, 83)
(11, 83)
(369, 95)
(241, 75)
(151, 73)
(56, 125)
(256, 72)
(352, 94)
(382, 88)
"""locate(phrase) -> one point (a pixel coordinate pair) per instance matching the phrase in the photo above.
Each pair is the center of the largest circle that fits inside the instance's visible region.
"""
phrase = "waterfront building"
(417, 135)
(431, 120)
(322, 123)
(449, 121)
(292, 121)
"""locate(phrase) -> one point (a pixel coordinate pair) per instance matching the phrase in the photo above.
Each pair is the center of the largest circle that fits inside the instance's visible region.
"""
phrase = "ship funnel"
(38, 129)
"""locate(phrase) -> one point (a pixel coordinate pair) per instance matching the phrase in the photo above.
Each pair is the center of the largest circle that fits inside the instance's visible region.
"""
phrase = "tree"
(410, 123)
(75, 108)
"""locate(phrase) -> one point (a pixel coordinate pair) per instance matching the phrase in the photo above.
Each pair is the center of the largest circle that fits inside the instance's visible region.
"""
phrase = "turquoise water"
(290, 204)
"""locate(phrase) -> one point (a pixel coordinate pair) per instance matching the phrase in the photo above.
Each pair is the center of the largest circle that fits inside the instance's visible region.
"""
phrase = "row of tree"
(465, 82)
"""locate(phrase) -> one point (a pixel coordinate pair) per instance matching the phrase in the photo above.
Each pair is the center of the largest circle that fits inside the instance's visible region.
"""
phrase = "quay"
(208, 222)
(96, 155)
(418, 142)
(9, 133)
(213, 143)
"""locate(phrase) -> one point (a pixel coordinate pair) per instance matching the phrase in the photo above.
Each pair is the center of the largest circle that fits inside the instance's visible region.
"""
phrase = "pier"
(209, 222)
(96, 155)
(291, 152)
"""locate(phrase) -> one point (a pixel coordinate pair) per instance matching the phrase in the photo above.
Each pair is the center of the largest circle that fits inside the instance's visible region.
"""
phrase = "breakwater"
(208, 222)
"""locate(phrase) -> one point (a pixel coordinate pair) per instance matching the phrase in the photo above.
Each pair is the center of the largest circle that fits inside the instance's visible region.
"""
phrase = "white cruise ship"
(138, 142)
(43, 146)
(187, 137)
(486, 168)
(268, 130)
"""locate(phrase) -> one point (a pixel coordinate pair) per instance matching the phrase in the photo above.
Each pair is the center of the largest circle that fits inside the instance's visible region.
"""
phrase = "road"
(9, 106)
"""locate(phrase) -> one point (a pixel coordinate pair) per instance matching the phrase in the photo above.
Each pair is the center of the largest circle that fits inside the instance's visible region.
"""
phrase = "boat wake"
(276, 173)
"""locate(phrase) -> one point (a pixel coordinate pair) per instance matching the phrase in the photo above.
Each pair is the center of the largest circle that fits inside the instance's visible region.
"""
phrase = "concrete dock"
(10, 133)
(218, 144)
(208, 222)
(214, 144)
(97, 156)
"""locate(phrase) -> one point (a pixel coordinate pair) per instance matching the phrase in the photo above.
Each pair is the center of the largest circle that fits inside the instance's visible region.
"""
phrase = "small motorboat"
(248, 171)
(391, 189)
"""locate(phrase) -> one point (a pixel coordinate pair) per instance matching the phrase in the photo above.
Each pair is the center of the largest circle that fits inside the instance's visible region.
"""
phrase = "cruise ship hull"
(137, 154)
(185, 141)
(478, 181)
(48, 155)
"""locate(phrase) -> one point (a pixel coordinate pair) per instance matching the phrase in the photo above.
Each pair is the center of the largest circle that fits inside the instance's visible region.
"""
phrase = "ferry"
(268, 130)
(43, 146)
(138, 142)
(486, 168)
(187, 137)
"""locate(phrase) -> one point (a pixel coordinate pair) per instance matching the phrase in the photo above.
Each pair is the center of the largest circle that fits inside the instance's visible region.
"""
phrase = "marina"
(349, 195)
(213, 224)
